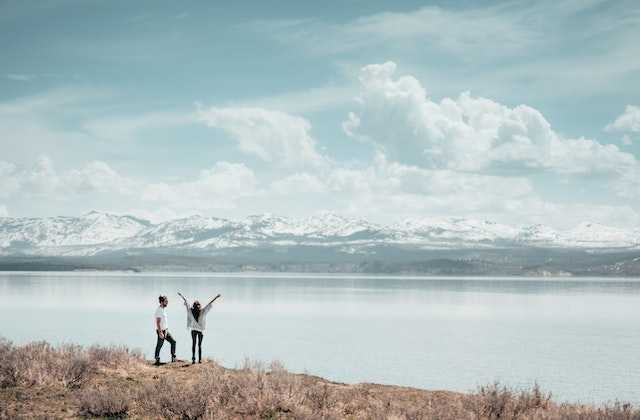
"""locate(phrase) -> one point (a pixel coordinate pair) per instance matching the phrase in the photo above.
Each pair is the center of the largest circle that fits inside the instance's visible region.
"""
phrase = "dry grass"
(114, 357)
(41, 381)
(39, 363)
(105, 402)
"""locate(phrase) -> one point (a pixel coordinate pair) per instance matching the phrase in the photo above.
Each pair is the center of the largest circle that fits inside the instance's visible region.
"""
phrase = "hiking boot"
(157, 363)
(193, 361)
(173, 359)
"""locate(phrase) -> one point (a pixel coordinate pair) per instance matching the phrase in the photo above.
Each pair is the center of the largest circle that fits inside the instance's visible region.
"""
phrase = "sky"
(517, 112)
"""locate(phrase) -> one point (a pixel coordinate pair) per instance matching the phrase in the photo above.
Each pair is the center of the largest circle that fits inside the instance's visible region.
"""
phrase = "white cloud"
(468, 133)
(628, 122)
(629, 184)
(455, 30)
(50, 101)
(41, 179)
(391, 190)
(98, 176)
(273, 136)
(381, 190)
(510, 48)
(40, 123)
(215, 188)
(487, 31)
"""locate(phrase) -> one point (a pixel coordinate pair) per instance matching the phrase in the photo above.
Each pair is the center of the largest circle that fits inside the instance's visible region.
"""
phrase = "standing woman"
(197, 322)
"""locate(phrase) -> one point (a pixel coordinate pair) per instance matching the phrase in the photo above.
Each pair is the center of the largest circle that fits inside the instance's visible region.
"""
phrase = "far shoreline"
(310, 275)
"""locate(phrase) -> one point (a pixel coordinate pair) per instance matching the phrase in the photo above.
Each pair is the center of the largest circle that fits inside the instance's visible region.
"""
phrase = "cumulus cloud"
(389, 190)
(99, 177)
(627, 123)
(215, 188)
(468, 133)
(43, 179)
(40, 178)
(273, 136)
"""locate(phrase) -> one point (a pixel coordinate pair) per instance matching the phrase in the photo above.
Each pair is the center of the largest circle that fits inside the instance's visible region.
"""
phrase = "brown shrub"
(499, 402)
(114, 356)
(614, 411)
(109, 402)
(40, 363)
(168, 399)
(9, 368)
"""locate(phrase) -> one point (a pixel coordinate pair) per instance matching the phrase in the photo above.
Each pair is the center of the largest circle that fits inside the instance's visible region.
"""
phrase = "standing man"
(162, 330)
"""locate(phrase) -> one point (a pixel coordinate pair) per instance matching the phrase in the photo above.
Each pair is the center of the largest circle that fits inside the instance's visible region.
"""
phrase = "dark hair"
(162, 298)
(195, 310)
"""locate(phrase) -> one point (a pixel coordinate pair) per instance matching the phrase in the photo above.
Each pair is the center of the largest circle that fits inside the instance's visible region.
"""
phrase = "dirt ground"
(57, 402)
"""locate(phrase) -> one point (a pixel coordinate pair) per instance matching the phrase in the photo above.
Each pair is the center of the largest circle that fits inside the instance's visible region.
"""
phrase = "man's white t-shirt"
(160, 313)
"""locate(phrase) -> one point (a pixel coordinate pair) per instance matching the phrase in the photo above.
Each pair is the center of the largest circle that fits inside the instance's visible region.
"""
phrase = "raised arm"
(213, 300)
(184, 299)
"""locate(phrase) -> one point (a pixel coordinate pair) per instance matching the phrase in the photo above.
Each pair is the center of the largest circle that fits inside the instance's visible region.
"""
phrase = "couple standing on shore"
(196, 322)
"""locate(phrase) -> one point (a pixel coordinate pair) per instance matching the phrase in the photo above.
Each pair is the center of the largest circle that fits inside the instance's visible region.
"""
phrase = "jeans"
(160, 342)
(196, 334)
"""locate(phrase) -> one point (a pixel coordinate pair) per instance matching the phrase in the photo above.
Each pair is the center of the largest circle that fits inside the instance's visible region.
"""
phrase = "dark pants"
(160, 342)
(196, 334)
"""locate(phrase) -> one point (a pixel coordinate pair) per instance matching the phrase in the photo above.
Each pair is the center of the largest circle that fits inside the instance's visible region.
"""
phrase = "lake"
(578, 338)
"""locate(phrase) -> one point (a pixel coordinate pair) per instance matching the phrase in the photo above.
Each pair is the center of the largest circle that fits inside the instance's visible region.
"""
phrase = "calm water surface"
(579, 339)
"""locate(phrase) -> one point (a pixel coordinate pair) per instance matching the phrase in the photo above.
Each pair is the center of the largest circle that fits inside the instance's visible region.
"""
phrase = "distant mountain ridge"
(96, 232)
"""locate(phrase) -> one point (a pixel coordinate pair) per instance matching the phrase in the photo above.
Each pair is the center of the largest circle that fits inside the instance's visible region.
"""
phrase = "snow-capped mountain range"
(97, 232)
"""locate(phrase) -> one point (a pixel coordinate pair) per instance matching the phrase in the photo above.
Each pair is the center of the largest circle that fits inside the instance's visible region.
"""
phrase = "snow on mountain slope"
(180, 232)
(201, 232)
(539, 235)
(455, 230)
(321, 226)
(89, 229)
(95, 232)
(599, 236)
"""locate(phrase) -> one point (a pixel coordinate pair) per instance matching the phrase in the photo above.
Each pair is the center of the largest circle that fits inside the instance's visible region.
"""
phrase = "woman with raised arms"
(197, 323)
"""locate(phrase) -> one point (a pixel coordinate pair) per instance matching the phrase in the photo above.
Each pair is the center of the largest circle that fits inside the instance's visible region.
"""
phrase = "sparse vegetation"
(39, 363)
(42, 381)
(105, 402)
